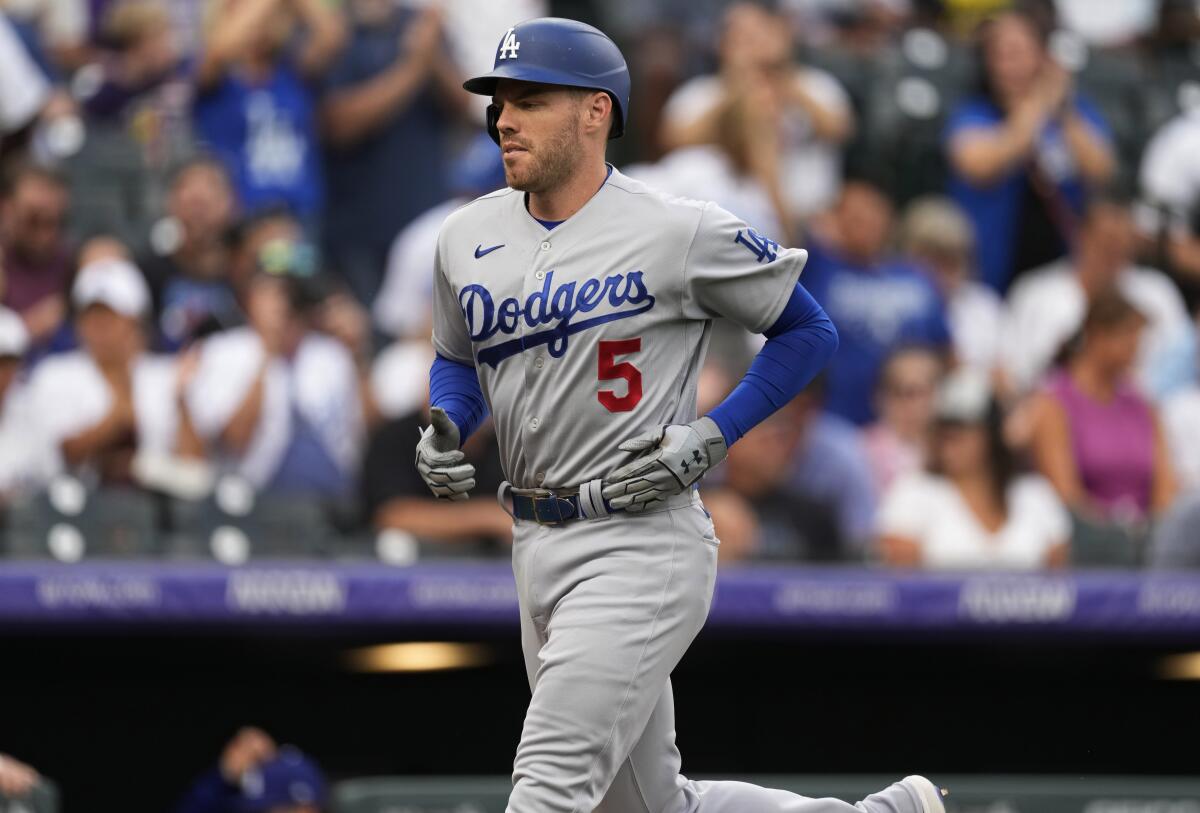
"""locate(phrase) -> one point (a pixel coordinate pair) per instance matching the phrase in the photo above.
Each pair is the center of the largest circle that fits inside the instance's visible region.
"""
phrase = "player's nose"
(506, 122)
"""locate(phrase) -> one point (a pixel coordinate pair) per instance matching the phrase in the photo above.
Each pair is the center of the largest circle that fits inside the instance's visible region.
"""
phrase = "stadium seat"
(43, 799)
(1095, 545)
(233, 528)
(394, 794)
(913, 89)
(69, 523)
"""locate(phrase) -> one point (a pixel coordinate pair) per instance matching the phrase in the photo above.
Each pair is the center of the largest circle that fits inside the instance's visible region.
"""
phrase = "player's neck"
(562, 202)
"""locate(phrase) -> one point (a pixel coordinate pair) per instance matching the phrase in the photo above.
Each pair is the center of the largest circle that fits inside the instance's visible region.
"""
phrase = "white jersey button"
(535, 423)
(539, 274)
(539, 362)
(541, 477)
(545, 245)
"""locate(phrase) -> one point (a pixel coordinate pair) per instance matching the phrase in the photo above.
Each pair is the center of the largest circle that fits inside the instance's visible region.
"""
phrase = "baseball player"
(575, 306)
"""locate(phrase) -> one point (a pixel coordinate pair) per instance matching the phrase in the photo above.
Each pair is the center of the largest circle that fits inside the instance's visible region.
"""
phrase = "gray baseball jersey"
(588, 334)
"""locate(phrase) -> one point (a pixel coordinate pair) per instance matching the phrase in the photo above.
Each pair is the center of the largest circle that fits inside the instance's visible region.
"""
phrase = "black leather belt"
(549, 509)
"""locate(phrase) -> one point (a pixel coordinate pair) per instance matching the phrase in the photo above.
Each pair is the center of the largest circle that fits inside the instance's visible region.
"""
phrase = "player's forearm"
(799, 345)
(454, 387)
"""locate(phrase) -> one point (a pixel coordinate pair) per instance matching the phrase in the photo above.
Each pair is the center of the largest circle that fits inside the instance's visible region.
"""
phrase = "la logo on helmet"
(510, 46)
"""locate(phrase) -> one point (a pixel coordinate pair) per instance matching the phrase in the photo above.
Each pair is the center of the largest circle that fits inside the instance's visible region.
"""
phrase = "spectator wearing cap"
(277, 401)
(935, 232)
(96, 407)
(21, 464)
(806, 109)
(878, 301)
(1023, 152)
(255, 108)
(969, 507)
(36, 255)
(1098, 439)
(187, 263)
(390, 101)
(254, 775)
(1047, 306)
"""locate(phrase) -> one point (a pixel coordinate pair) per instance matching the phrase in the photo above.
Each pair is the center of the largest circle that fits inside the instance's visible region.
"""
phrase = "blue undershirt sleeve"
(799, 345)
(454, 387)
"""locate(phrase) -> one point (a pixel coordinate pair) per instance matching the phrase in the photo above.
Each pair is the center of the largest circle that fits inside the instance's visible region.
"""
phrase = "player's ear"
(597, 111)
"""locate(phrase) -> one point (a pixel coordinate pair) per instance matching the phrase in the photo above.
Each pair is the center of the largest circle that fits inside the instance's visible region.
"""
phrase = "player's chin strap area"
(549, 508)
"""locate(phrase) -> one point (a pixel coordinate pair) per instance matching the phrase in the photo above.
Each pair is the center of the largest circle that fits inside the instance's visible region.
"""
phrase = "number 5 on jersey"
(609, 369)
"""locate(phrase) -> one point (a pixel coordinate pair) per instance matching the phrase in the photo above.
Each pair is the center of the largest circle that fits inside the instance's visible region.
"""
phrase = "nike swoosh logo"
(480, 251)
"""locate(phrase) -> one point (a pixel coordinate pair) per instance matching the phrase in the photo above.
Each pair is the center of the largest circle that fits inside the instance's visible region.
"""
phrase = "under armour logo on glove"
(651, 478)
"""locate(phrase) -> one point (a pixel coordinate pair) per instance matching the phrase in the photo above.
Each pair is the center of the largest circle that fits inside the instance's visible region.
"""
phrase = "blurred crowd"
(218, 222)
(252, 774)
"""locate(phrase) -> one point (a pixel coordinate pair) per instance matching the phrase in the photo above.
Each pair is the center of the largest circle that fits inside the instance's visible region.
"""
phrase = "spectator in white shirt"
(1047, 306)
(810, 111)
(95, 408)
(936, 233)
(278, 402)
(971, 509)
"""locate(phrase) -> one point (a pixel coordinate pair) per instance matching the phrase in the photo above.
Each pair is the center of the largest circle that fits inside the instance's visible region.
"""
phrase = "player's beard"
(553, 162)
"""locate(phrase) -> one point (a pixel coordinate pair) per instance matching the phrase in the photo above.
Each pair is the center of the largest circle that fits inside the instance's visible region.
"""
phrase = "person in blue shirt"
(1023, 151)
(255, 108)
(254, 775)
(389, 102)
(876, 301)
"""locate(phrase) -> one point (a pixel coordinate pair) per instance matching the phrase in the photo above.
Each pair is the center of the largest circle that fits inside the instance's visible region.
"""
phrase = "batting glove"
(674, 457)
(439, 460)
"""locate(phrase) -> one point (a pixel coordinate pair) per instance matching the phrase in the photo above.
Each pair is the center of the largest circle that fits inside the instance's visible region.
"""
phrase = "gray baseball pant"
(608, 607)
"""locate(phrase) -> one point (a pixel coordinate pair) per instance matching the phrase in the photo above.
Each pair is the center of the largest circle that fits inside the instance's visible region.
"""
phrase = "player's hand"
(673, 457)
(439, 460)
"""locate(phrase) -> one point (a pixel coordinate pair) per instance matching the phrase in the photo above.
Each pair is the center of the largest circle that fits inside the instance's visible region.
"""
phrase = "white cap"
(113, 282)
(964, 396)
(14, 339)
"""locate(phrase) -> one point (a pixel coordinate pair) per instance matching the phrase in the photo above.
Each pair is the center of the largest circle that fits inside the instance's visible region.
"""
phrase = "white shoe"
(929, 793)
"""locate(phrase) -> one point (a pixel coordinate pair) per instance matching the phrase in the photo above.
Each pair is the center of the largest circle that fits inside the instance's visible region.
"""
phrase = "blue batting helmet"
(557, 51)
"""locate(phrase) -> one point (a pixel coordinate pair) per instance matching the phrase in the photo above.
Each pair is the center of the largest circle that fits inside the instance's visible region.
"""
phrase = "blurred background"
(967, 550)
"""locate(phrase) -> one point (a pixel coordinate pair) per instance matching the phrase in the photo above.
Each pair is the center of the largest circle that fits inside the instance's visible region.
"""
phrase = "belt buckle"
(559, 504)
